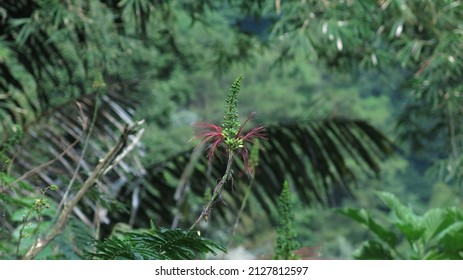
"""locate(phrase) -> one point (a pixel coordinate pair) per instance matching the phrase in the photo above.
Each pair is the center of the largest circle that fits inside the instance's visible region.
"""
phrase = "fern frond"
(155, 244)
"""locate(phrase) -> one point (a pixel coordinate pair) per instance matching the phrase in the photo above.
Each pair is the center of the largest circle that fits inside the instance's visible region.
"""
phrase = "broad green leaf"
(451, 238)
(409, 224)
(373, 250)
(433, 221)
(363, 217)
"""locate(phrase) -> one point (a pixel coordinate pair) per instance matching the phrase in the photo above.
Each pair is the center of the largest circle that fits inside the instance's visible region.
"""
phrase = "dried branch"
(127, 150)
(38, 246)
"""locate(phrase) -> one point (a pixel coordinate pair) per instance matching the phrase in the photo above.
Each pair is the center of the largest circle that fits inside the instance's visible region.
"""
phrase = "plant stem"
(240, 212)
(217, 190)
(21, 235)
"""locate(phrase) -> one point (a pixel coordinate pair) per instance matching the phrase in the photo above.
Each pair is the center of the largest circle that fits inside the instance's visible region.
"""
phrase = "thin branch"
(38, 246)
(127, 150)
(84, 149)
(240, 212)
(44, 165)
(21, 235)
(217, 190)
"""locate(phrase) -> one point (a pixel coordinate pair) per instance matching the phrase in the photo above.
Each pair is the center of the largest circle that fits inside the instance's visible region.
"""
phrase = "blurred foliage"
(417, 39)
(437, 234)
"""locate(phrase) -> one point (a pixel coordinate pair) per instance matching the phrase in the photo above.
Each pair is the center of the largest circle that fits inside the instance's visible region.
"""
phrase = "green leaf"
(434, 220)
(373, 250)
(451, 238)
(409, 224)
(364, 218)
(438, 234)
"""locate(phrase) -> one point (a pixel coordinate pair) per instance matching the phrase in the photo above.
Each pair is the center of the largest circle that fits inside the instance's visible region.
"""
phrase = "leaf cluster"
(437, 234)
(155, 244)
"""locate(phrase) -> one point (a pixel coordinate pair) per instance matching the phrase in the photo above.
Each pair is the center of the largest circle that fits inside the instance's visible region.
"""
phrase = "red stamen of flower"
(247, 120)
(256, 132)
(209, 133)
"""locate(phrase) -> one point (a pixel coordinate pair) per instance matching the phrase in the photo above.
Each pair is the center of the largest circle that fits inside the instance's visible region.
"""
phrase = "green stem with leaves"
(21, 231)
(39, 205)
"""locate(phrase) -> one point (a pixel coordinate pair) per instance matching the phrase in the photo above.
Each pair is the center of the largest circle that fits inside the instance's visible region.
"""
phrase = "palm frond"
(65, 137)
(321, 159)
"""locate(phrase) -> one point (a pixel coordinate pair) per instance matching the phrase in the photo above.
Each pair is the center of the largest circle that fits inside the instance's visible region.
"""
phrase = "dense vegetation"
(356, 104)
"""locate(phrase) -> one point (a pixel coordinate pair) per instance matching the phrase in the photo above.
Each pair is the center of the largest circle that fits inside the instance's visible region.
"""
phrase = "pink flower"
(213, 134)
